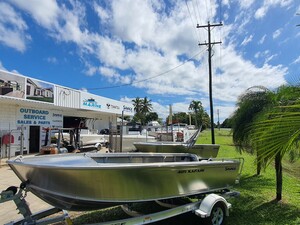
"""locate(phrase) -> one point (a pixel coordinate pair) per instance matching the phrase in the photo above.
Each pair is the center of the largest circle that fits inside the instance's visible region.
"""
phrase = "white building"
(33, 105)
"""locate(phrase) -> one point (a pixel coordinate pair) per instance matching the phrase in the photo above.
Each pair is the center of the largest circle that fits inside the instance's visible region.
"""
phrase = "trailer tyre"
(217, 215)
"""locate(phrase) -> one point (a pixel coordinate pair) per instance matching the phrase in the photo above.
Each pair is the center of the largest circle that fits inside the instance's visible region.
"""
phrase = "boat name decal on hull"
(191, 171)
(230, 168)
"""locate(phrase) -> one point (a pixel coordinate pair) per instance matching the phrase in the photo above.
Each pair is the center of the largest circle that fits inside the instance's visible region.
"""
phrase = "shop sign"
(98, 103)
(91, 103)
(127, 108)
(112, 106)
(31, 116)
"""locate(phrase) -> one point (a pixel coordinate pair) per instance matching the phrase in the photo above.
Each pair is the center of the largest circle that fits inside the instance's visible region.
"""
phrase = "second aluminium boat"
(202, 150)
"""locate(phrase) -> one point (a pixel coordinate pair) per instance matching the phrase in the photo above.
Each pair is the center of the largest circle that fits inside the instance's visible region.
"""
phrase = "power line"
(191, 18)
(206, 10)
(200, 21)
(158, 75)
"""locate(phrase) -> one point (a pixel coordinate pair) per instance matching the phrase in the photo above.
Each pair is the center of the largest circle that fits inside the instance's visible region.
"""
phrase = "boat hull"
(78, 182)
(202, 150)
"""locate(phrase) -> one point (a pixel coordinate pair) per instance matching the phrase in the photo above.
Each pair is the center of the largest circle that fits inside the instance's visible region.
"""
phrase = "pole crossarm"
(212, 43)
(210, 25)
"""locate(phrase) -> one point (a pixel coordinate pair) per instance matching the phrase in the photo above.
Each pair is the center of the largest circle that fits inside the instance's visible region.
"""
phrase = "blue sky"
(123, 49)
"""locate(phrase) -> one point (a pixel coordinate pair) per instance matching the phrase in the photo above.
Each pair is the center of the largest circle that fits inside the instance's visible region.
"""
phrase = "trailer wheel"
(217, 215)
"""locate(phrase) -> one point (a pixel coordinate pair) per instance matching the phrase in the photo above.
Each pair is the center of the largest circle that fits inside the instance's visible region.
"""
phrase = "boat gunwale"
(152, 165)
(91, 161)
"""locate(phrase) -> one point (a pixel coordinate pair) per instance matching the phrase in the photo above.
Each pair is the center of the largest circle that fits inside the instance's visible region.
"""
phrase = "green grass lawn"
(255, 206)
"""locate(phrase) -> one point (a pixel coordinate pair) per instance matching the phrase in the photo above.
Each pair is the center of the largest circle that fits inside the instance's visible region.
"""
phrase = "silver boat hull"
(202, 150)
(93, 181)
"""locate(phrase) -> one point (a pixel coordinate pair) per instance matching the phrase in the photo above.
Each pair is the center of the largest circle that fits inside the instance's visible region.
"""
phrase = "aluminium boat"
(87, 181)
(202, 150)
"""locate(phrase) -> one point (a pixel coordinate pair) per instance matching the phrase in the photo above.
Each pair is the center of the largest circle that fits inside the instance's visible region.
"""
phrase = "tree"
(146, 106)
(227, 123)
(269, 123)
(142, 107)
(277, 131)
(180, 117)
(198, 109)
(249, 105)
(205, 120)
(151, 116)
(137, 104)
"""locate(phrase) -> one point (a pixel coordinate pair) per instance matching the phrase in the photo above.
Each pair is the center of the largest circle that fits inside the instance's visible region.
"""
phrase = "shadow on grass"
(263, 213)
(255, 182)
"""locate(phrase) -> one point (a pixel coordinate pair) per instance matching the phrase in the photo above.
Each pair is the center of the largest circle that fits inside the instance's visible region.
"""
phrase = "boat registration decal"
(191, 171)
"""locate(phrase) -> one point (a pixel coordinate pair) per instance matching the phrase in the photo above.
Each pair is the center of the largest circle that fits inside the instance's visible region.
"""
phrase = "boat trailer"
(213, 207)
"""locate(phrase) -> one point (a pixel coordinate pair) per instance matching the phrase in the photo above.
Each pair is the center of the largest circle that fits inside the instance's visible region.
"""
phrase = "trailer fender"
(209, 202)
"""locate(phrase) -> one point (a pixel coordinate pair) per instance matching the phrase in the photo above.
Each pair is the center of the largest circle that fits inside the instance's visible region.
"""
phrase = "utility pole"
(218, 111)
(209, 45)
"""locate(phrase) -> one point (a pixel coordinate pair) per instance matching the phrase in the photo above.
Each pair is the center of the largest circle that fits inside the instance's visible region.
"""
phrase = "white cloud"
(2, 67)
(240, 74)
(277, 33)
(262, 40)
(225, 2)
(296, 61)
(52, 60)
(90, 70)
(247, 40)
(101, 12)
(245, 3)
(261, 12)
(12, 28)
(62, 23)
(268, 59)
(45, 12)
(84, 89)
(267, 4)
(147, 40)
(108, 72)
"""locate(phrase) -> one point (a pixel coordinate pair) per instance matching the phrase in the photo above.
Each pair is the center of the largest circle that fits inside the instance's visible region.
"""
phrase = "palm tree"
(269, 123)
(277, 132)
(142, 107)
(137, 104)
(197, 107)
(249, 106)
(146, 106)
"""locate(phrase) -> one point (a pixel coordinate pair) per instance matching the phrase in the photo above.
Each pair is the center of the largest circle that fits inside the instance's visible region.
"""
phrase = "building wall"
(18, 105)
(67, 97)
(8, 125)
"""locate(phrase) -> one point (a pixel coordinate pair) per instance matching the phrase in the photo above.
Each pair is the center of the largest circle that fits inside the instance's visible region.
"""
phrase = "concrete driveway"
(8, 210)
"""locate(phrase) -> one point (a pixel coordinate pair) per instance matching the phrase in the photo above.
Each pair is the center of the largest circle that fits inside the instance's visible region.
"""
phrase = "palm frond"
(279, 133)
